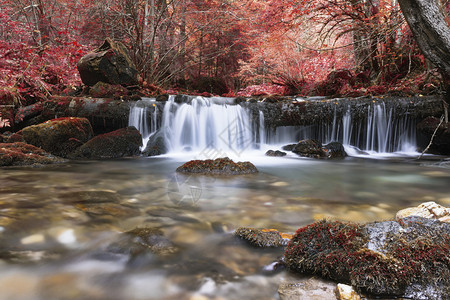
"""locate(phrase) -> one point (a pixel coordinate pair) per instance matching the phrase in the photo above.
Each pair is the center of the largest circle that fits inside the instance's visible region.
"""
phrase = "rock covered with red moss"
(219, 166)
(408, 259)
(21, 154)
(119, 143)
(59, 136)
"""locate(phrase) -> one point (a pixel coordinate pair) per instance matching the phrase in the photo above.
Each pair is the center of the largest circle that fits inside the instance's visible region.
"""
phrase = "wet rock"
(335, 150)
(21, 154)
(289, 147)
(219, 166)
(263, 238)
(105, 90)
(59, 136)
(346, 292)
(141, 241)
(120, 143)
(109, 63)
(429, 210)
(416, 254)
(276, 153)
(309, 148)
(155, 146)
(312, 289)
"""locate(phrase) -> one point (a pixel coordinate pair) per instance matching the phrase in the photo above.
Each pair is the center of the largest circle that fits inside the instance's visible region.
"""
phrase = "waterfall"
(381, 131)
(216, 127)
(144, 116)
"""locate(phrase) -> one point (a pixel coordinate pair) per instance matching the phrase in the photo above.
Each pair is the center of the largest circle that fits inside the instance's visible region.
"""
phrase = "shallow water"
(54, 243)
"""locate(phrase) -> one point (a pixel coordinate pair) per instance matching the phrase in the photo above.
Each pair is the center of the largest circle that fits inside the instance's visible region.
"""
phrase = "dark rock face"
(119, 143)
(383, 259)
(21, 154)
(309, 148)
(155, 146)
(109, 63)
(441, 142)
(59, 136)
(276, 153)
(335, 150)
(219, 166)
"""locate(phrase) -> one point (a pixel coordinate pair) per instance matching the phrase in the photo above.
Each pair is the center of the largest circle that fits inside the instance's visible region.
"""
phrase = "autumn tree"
(427, 21)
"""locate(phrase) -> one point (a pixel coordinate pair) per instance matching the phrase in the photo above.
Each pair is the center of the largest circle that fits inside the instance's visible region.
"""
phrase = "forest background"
(220, 47)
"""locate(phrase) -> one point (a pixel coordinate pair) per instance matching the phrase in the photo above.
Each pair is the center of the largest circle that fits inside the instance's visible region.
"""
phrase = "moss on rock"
(219, 166)
(416, 255)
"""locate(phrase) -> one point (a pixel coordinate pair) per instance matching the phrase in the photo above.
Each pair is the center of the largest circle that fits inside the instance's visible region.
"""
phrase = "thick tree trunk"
(431, 33)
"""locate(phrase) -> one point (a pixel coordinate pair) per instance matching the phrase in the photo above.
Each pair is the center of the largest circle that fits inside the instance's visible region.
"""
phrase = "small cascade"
(144, 116)
(209, 125)
(217, 126)
(381, 131)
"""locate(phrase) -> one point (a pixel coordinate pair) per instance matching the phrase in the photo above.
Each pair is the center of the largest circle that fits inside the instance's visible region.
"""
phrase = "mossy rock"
(219, 166)
(60, 136)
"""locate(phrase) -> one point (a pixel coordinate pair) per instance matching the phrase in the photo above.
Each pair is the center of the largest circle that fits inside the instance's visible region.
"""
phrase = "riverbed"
(57, 222)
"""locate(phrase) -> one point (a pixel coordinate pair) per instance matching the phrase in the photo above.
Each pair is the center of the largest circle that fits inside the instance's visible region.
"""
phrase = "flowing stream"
(61, 225)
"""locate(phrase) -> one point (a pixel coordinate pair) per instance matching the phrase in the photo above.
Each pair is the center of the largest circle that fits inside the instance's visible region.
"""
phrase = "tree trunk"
(431, 33)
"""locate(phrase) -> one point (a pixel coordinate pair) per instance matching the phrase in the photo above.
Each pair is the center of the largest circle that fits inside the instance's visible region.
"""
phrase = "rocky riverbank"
(407, 257)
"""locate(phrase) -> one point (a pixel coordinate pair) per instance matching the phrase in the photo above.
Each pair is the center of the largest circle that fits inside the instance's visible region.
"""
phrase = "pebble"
(346, 292)
(33, 239)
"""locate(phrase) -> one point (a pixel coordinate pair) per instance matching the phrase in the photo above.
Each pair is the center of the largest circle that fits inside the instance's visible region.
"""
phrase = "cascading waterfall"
(210, 125)
(215, 127)
(144, 116)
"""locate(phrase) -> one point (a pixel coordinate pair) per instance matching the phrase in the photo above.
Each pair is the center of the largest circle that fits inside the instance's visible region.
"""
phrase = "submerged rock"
(276, 153)
(143, 241)
(21, 154)
(375, 261)
(311, 289)
(60, 136)
(120, 143)
(263, 238)
(219, 166)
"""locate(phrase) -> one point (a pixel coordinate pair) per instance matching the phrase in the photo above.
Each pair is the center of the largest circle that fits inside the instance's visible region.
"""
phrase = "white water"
(214, 127)
(144, 116)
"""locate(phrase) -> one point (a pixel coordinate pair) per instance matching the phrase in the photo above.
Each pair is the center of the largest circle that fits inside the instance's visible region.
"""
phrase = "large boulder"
(59, 136)
(109, 63)
(120, 143)
(219, 166)
(408, 258)
(21, 154)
